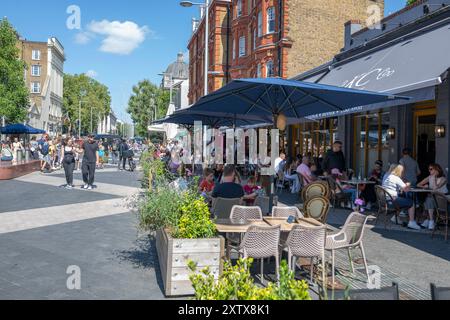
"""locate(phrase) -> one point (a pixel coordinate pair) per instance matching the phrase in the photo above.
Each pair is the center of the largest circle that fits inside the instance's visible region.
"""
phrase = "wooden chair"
(317, 208)
(441, 203)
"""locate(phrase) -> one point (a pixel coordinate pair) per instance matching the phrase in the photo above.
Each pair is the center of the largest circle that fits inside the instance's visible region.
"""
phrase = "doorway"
(424, 139)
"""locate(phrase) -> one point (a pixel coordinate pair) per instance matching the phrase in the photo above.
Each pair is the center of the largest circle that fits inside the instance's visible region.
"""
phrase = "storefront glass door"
(424, 139)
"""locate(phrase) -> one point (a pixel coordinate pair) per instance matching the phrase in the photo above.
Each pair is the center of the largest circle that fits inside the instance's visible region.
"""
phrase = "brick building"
(270, 38)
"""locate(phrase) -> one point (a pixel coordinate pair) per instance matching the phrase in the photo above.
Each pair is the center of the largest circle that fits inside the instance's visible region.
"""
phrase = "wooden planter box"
(174, 255)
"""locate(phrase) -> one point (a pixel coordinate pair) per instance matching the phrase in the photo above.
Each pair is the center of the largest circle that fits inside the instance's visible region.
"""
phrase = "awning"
(410, 66)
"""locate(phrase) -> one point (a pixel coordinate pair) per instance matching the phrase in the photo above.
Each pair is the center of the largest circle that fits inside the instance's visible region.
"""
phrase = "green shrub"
(236, 283)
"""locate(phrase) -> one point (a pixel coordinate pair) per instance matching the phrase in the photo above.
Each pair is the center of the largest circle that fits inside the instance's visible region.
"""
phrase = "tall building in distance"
(270, 38)
(44, 77)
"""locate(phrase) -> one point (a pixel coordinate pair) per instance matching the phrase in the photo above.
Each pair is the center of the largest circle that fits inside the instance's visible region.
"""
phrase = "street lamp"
(205, 5)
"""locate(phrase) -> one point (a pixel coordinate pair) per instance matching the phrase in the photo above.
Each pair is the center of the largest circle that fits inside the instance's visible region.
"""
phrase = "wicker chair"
(286, 212)
(349, 237)
(386, 205)
(317, 208)
(241, 213)
(337, 196)
(441, 203)
(306, 242)
(318, 188)
(221, 207)
(260, 243)
(439, 293)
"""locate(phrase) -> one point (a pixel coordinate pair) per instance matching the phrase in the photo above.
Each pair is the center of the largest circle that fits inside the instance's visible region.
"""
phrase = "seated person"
(291, 175)
(435, 181)
(368, 193)
(229, 189)
(207, 184)
(250, 190)
(338, 176)
(305, 172)
(394, 185)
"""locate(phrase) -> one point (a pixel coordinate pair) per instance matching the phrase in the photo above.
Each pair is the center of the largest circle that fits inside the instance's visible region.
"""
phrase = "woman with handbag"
(68, 160)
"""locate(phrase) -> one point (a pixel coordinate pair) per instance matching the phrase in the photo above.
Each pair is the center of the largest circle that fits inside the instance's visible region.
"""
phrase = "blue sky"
(156, 31)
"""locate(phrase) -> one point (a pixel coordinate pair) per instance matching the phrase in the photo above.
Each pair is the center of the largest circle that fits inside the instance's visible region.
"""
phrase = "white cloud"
(120, 37)
(83, 37)
(92, 74)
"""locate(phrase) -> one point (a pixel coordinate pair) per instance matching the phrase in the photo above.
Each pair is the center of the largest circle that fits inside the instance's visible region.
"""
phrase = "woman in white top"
(395, 185)
(291, 174)
(437, 182)
(17, 146)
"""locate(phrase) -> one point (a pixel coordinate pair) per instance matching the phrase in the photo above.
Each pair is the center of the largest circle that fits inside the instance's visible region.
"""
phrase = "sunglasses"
(430, 169)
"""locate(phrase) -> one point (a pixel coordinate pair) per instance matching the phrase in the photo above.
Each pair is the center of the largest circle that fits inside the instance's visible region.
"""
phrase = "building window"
(35, 87)
(258, 70)
(239, 8)
(36, 70)
(242, 46)
(36, 55)
(271, 20)
(260, 24)
(269, 69)
(254, 39)
(234, 49)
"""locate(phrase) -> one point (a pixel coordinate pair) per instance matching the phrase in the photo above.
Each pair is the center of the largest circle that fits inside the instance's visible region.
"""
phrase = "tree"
(146, 100)
(14, 94)
(91, 94)
(409, 2)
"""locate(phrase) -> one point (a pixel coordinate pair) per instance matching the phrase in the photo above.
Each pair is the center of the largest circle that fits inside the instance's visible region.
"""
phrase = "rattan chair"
(387, 293)
(439, 293)
(286, 212)
(259, 243)
(386, 205)
(306, 242)
(241, 213)
(350, 237)
(317, 208)
(338, 196)
(221, 207)
(441, 203)
(317, 188)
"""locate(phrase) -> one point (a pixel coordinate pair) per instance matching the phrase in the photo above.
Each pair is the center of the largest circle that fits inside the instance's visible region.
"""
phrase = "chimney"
(180, 57)
(351, 27)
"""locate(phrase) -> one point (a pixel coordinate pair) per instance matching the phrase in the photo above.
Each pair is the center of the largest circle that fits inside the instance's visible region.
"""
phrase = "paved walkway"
(45, 229)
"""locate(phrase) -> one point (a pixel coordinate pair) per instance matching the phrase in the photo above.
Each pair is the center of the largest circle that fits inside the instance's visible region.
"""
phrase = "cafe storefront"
(413, 62)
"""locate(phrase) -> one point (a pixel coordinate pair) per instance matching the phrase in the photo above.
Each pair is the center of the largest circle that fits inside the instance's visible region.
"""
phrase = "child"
(251, 189)
(207, 184)
(101, 155)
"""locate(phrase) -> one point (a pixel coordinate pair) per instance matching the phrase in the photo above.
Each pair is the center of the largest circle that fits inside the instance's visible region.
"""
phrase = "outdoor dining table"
(357, 183)
(415, 191)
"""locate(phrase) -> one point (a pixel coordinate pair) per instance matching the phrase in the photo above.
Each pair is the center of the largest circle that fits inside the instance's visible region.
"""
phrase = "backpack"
(44, 148)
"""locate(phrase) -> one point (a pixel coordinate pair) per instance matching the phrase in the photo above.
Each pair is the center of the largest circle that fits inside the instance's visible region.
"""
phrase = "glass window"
(258, 71)
(242, 46)
(271, 20)
(269, 69)
(35, 70)
(239, 8)
(260, 24)
(234, 49)
(35, 87)
(254, 39)
(36, 55)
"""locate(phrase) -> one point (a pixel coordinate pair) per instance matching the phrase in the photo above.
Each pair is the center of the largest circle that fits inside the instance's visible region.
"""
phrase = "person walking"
(123, 150)
(68, 161)
(90, 161)
(34, 146)
(44, 148)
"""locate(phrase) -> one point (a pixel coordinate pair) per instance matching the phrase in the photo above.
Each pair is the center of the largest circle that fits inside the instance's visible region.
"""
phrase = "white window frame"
(269, 66)
(270, 19)
(234, 49)
(36, 55)
(35, 87)
(242, 46)
(260, 24)
(38, 68)
(239, 8)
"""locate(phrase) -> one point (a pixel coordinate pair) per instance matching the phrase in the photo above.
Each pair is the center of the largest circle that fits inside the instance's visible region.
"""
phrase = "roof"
(179, 69)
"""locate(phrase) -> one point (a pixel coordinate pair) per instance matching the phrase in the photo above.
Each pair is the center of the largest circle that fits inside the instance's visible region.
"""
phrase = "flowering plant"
(359, 203)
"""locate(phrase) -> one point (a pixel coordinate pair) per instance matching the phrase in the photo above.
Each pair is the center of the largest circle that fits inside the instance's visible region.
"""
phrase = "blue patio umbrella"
(272, 97)
(20, 129)
(213, 119)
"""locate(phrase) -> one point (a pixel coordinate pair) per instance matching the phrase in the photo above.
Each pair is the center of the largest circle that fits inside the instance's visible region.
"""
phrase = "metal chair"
(317, 208)
(441, 203)
(221, 207)
(286, 212)
(306, 242)
(387, 293)
(241, 213)
(349, 237)
(281, 181)
(439, 293)
(337, 196)
(386, 205)
(260, 243)
(263, 203)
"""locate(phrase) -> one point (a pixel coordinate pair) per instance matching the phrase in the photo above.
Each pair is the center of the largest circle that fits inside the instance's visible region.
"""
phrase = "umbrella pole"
(272, 178)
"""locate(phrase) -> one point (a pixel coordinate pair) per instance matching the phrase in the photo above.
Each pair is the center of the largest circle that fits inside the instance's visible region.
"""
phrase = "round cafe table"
(358, 183)
(415, 191)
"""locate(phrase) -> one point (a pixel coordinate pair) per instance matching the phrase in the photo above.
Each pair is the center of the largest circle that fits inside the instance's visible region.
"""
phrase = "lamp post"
(205, 5)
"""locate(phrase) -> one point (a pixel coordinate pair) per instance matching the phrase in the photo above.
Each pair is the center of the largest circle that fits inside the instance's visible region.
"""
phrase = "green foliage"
(14, 94)
(92, 94)
(195, 222)
(409, 2)
(147, 103)
(236, 283)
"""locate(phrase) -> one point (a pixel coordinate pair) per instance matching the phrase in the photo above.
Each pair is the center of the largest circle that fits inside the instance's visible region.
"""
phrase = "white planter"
(174, 255)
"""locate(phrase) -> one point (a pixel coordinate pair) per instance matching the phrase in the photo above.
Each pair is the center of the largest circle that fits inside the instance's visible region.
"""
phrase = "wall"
(443, 117)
